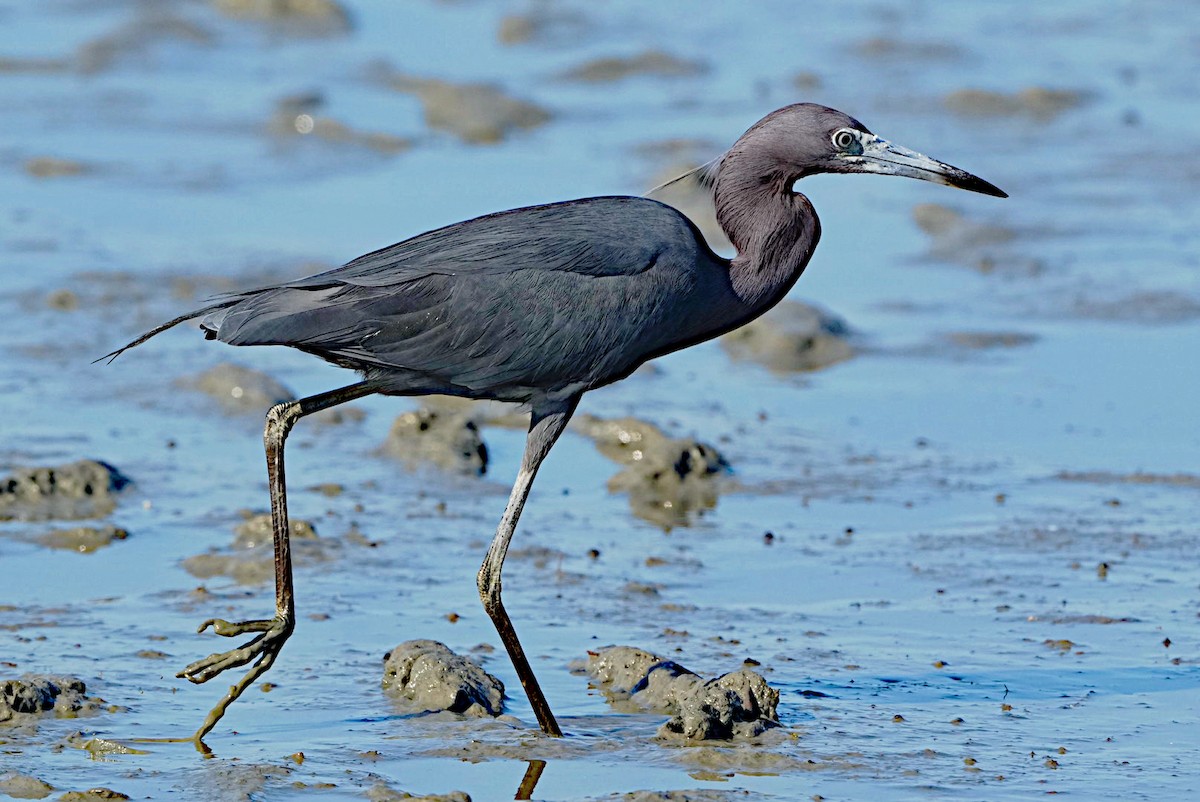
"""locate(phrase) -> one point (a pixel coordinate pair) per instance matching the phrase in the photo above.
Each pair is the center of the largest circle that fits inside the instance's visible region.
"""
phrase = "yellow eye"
(844, 139)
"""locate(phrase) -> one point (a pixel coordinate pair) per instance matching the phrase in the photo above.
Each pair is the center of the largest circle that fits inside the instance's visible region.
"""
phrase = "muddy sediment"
(543, 24)
(34, 695)
(83, 539)
(669, 480)
(477, 113)
(239, 389)
(300, 117)
(1037, 102)
(792, 337)
(447, 439)
(654, 63)
(737, 705)
(250, 560)
(24, 786)
(296, 17)
(83, 489)
(425, 676)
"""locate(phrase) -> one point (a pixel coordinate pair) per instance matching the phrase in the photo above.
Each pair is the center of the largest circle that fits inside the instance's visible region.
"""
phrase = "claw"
(230, 630)
(263, 647)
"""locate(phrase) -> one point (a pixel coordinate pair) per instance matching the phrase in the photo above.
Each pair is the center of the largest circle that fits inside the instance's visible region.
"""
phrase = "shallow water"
(941, 512)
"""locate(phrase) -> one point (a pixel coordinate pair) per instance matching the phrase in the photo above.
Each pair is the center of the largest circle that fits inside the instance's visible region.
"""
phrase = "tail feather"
(169, 324)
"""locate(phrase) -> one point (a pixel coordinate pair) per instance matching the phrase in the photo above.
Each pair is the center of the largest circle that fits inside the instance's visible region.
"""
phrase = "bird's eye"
(844, 139)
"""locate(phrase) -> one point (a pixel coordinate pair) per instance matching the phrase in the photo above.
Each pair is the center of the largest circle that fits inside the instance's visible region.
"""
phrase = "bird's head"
(807, 138)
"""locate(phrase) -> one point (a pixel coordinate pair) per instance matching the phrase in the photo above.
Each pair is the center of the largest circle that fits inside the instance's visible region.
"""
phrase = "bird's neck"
(774, 229)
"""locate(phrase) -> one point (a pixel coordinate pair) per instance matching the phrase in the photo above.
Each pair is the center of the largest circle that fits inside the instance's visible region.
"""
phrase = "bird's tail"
(169, 324)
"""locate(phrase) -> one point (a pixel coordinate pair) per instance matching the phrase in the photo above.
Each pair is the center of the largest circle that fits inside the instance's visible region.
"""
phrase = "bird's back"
(543, 299)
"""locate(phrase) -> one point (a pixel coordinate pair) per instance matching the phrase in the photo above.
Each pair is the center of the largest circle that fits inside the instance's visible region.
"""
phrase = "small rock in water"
(83, 489)
(737, 705)
(448, 440)
(428, 676)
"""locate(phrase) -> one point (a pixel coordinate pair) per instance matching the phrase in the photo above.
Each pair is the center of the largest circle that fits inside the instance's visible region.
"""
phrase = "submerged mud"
(425, 676)
(83, 489)
(447, 439)
(239, 389)
(83, 539)
(670, 480)
(792, 337)
(477, 113)
(738, 705)
(250, 559)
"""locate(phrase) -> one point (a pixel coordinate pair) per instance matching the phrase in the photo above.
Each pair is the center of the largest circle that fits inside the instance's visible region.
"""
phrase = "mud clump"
(1037, 102)
(449, 440)
(989, 340)
(650, 62)
(33, 695)
(669, 480)
(251, 558)
(239, 389)
(382, 793)
(83, 489)
(298, 17)
(477, 113)
(426, 676)
(886, 47)
(23, 786)
(792, 337)
(55, 167)
(83, 539)
(544, 24)
(738, 705)
(958, 239)
(298, 117)
(92, 795)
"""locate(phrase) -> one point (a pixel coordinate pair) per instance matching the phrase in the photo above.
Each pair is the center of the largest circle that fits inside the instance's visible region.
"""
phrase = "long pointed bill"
(882, 157)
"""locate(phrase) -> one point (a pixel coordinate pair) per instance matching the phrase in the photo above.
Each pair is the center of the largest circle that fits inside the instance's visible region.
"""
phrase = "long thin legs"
(544, 428)
(274, 632)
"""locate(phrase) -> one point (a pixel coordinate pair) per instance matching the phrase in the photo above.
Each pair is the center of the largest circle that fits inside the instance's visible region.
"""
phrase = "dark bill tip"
(973, 183)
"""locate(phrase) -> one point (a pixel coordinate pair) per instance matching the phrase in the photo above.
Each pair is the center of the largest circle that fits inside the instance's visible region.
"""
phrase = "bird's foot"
(264, 647)
(273, 633)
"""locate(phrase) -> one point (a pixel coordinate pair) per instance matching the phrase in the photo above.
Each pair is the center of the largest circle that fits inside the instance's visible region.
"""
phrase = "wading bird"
(537, 306)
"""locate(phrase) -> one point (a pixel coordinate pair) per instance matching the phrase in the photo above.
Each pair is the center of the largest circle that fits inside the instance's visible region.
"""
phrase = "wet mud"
(476, 113)
(250, 559)
(294, 17)
(670, 481)
(82, 539)
(653, 63)
(24, 786)
(23, 700)
(792, 337)
(83, 489)
(968, 574)
(445, 438)
(1037, 102)
(734, 706)
(239, 389)
(426, 676)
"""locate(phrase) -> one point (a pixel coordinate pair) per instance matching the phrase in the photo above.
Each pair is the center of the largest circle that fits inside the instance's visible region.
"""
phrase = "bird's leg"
(544, 428)
(273, 632)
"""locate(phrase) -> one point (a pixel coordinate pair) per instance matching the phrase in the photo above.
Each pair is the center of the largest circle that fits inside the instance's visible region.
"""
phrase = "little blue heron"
(538, 305)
